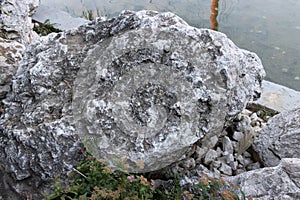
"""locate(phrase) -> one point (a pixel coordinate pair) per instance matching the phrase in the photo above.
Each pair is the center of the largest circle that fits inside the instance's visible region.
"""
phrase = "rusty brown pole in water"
(214, 14)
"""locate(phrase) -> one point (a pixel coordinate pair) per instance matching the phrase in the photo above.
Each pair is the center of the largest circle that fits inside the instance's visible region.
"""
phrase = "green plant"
(45, 28)
(89, 15)
(93, 179)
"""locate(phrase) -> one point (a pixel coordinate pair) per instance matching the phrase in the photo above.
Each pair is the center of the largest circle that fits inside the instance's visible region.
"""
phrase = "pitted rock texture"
(279, 139)
(15, 20)
(281, 182)
(15, 33)
(144, 86)
(149, 93)
(11, 53)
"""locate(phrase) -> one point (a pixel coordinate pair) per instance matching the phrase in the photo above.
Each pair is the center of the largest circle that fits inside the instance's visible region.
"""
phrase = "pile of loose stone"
(230, 154)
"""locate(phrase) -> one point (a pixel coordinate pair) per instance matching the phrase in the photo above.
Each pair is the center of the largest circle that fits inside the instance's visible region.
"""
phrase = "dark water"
(270, 28)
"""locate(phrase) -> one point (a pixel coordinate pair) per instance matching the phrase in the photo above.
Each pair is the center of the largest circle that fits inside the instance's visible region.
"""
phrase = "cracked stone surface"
(279, 139)
(281, 182)
(15, 33)
(145, 86)
(15, 20)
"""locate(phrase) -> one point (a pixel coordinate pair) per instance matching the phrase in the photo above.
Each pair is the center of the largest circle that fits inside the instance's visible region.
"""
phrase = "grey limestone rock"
(164, 84)
(143, 87)
(279, 139)
(210, 156)
(281, 182)
(225, 169)
(227, 145)
(11, 53)
(15, 20)
(15, 33)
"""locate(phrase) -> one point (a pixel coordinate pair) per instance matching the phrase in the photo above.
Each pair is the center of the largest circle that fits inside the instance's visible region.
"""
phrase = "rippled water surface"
(271, 28)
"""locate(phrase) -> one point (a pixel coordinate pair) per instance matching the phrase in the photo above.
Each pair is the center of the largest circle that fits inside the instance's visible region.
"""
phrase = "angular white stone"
(278, 97)
(210, 156)
(227, 145)
(279, 182)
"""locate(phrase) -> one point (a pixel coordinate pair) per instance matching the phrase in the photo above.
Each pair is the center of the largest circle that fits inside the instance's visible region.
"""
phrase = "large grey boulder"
(281, 182)
(151, 92)
(140, 88)
(279, 139)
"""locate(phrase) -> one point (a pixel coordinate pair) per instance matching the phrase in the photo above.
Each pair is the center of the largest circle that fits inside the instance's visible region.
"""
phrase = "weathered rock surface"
(15, 20)
(11, 53)
(144, 86)
(279, 139)
(148, 94)
(278, 97)
(15, 33)
(279, 183)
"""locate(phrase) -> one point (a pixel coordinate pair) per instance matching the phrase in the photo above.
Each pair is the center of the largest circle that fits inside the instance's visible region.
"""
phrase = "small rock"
(253, 166)
(222, 159)
(189, 163)
(229, 158)
(216, 173)
(254, 117)
(255, 123)
(210, 156)
(200, 153)
(225, 153)
(216, 164)
(225, 169)
(219, 151)
(211, 142)
(241, 160)
(227, 145)
(248, 161)
(237, 135)
(247, 154)
(234, 165)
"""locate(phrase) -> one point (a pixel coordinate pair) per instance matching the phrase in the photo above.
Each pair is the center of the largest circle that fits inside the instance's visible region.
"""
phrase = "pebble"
(227, 145)
(241, 160)
(211, 142)
(219, 152)
(225, 169)
(229, 158)
(254, 117)
(189, 163)
(234, 165)
(200, 153)
(216, 164)
(210, 156)
(238, 135)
